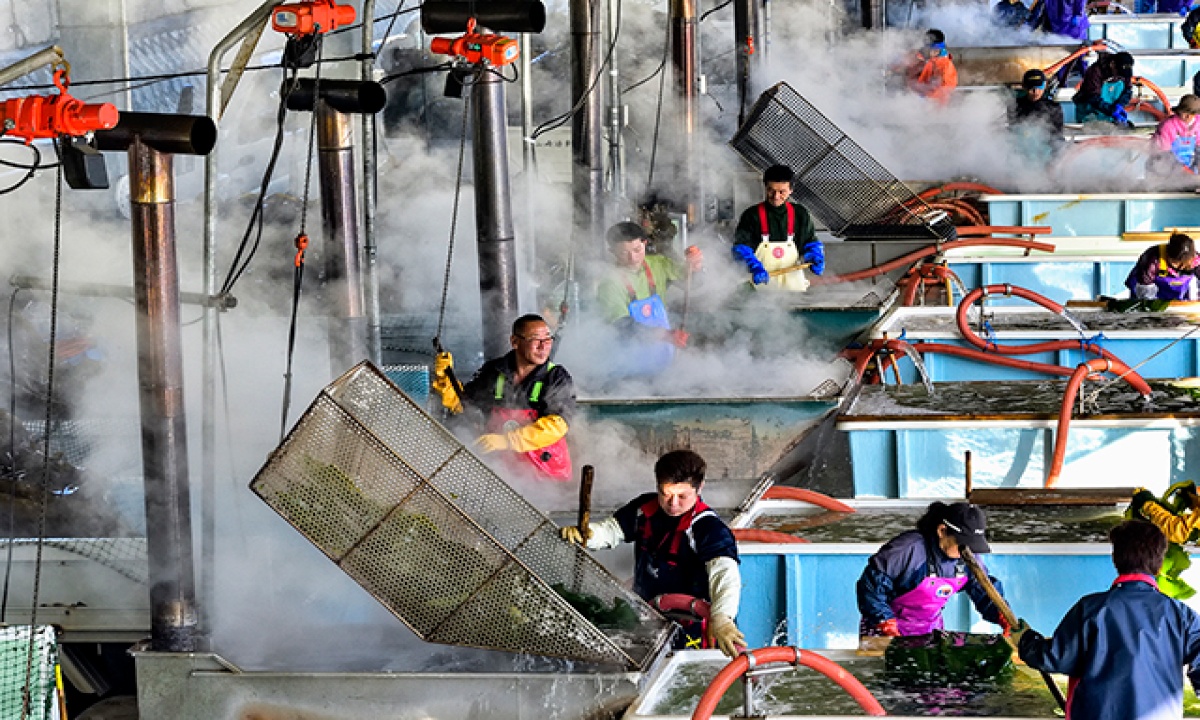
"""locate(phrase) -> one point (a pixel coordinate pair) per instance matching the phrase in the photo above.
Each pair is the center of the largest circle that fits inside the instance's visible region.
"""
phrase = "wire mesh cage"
(29, 681)
(447, 546)
(836, 179)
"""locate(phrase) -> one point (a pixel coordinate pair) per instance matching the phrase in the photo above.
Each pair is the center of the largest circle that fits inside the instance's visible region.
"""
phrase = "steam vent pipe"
(683, 60)
(333, 101)
(748, 38)
(152, 140)
(587, 140)
(493, 213)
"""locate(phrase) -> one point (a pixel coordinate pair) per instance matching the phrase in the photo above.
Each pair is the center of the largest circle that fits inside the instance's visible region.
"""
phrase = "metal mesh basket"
(843, 186)
(430, 531)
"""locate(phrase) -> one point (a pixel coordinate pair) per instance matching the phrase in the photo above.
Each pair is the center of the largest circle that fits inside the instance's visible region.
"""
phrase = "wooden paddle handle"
(586, 478)
(985, 582)
(790, 268)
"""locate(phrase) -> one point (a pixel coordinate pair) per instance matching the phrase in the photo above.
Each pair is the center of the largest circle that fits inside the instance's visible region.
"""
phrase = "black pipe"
(339, 222)
(173, 615)
(748, 38)
(493, 214)
(346, 96)
(174, 134)
(83, 289)
(587, 140)
(450, 16)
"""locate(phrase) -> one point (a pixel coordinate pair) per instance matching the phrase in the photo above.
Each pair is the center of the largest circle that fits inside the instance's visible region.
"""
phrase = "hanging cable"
(662, 79)
(301, 247)
(27, 700)
(560, 120)
(30, 170)
(14, 476)
(462, 149)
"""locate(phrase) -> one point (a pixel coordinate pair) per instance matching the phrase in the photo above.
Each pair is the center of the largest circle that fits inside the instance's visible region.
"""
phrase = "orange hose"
(682, 603)
(765, 536)
(916, 255)
(785, 492)
(959, 187)
(1064, 417)
(1003, 229)
(795, 656)
(1098, 46)
(1162, 96)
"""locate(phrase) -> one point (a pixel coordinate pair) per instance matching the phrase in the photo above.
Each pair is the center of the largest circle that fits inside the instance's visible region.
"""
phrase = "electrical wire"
(31, 170)
(662, 64)
(662, 79)
(560, 120)
(722, 6)
(12, 455)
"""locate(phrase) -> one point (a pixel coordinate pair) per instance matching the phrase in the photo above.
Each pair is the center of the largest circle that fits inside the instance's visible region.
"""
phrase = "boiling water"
(1005, 524)
(806, 692)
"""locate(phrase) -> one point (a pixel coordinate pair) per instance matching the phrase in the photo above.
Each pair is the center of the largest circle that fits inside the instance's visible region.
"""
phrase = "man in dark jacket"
(1034, 107)
(521, 401)
(1123, 648)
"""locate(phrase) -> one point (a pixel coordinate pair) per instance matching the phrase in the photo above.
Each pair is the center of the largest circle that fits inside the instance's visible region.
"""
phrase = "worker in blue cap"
(776, 239)
(1123, 649)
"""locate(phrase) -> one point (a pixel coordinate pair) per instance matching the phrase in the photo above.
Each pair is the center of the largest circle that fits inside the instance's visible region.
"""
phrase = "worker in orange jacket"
(932, 73)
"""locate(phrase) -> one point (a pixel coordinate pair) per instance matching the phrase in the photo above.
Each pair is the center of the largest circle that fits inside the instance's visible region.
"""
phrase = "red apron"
(552, 461)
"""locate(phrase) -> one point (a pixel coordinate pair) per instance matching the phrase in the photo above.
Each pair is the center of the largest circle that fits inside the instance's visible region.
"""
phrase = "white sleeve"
(1145, 292)
(724, 586)
(606, 534)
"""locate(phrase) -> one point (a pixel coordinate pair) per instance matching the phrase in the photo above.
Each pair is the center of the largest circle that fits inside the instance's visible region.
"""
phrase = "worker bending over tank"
(776, 237)
(521, 401)
(1122, 648)
(1175, 514)
(680, 546)
(908, 582)
(630, 296)
(1166, 272)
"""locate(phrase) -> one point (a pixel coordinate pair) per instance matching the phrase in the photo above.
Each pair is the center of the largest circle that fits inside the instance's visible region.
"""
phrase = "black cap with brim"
(968, 524)
(976, 543)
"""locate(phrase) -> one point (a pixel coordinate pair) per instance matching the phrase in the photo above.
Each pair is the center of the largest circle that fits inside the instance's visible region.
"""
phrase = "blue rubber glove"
(1119, 115)
(746, 254)
(814, 253)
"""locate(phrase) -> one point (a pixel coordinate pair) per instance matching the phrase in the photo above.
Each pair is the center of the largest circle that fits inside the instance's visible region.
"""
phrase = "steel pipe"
(683, 61)
(748, 40)
(450, 16)
(344, 96)
(339, 223)
(493, 213)
(173, 615)
(52, 55)
(587, 141)
(370, 268)
(28, 282)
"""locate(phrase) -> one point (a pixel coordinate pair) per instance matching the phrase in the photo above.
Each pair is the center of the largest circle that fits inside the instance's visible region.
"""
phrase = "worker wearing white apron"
(776, 237)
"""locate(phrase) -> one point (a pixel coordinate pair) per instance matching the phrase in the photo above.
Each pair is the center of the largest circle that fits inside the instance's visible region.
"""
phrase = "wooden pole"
(998, 600)
(587, 477)
(967, 469)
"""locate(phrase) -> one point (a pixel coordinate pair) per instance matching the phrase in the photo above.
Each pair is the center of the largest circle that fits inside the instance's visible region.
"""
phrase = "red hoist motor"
(476, 47)
(40, 116)
(305, 18)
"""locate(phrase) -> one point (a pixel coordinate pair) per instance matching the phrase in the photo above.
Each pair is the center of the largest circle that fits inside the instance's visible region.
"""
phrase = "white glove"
(723, 633)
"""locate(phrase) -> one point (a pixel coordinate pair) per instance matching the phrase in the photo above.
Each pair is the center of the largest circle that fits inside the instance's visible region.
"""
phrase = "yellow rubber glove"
(572, 535)
(491, 442)
(537, 434)
(441, 386)
(723, 633)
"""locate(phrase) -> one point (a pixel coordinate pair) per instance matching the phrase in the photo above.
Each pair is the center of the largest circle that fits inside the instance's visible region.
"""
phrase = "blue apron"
(653, 356)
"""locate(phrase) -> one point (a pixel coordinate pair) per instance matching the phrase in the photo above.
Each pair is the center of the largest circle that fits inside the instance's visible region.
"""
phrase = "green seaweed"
(948, 657)
(620, 616)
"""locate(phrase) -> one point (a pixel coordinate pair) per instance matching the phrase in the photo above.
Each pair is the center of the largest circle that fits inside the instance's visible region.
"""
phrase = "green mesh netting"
(14, 669)
(948, 657)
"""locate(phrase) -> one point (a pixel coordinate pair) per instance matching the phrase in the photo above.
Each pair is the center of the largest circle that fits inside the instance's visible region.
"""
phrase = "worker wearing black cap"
(1034, 107)
(1106, 88)
(907, 583)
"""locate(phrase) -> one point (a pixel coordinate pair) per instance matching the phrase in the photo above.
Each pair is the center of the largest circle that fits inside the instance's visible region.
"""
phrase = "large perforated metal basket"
(447, 546)
(836, 179)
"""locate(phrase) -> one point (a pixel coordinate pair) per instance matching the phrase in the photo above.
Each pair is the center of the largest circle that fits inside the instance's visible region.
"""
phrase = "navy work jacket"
(1124, 650)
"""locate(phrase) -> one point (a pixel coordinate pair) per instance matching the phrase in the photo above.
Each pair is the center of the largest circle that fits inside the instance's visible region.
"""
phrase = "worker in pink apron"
(522, 401)
(776, 238)
(908, 582)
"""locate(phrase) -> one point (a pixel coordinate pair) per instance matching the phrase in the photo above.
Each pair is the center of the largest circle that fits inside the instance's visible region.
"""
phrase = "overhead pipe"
(333, 101)
(616, 110)
(493, 213)
(930, 250)
(151, 141)
(683, 21)
(370, 186)
(587, 99)
(528, 149)
(51, 56)
(748, 42)
(83, 289)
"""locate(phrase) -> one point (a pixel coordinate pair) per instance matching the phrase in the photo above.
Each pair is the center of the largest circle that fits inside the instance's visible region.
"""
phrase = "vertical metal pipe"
(339, 222)
(493, 213)
(587, 94)
(748, 40)
(173, 618)
(370, 270)
(683, 60)
(616, 113)
(528, 159)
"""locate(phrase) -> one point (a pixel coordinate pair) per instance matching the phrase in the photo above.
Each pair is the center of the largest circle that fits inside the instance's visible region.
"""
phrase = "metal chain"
(462, 149)
(26, 703)
(312, 136)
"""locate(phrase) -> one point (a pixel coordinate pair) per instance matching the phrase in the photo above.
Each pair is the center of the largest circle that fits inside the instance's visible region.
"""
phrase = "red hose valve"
(474, 47)
(42, 116)
(306, 18)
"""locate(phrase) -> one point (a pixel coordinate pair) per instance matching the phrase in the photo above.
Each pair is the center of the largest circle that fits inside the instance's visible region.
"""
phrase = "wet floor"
(1006, 524)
